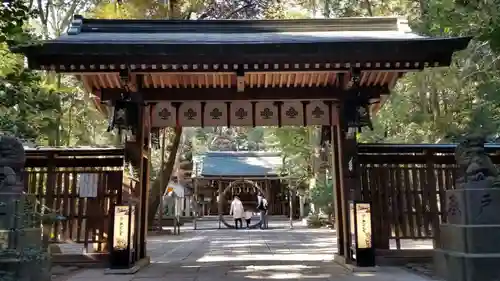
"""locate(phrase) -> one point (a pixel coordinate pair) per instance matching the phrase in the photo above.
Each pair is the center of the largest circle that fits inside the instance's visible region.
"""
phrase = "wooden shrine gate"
(159, 73)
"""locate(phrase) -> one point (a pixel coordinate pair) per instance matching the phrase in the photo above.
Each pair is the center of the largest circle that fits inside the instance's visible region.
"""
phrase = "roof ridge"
(81, 24)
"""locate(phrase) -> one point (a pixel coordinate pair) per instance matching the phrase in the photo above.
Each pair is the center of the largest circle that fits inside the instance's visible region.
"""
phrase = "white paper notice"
(87, 185)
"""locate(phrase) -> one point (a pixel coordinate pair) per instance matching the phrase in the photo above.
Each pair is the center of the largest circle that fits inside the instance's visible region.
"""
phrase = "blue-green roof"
(236, 164)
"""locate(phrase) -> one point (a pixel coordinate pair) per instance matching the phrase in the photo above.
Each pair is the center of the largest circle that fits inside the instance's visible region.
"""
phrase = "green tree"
(25, 103)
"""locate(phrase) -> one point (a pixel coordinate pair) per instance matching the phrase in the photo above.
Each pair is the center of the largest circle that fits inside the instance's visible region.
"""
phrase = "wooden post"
(290, 199)
(162, 179)
(267, 187)
(346, 158)
(219, 201)
(195, 199)
(337, 192)
(431, 188)
(137, 151)
(143, 140)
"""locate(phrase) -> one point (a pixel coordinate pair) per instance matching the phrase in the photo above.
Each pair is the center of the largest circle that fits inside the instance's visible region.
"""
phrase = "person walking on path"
(248, 215)
(237, 211)
(262, 207)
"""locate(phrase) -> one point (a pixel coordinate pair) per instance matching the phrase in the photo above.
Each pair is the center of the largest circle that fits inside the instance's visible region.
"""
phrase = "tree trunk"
(166, 172)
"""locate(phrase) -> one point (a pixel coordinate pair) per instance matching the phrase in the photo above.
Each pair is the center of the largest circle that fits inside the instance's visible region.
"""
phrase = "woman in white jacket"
(237, 211)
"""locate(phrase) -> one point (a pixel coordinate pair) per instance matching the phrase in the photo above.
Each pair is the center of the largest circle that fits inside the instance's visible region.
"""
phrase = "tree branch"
(206, 14)
(239, 10)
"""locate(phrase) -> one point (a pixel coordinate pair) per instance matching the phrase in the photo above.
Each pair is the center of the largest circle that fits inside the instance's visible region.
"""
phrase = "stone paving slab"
(247, 255)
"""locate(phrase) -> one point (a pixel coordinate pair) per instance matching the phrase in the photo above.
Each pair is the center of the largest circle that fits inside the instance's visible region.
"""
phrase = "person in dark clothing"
(248, 215)
(262, 208)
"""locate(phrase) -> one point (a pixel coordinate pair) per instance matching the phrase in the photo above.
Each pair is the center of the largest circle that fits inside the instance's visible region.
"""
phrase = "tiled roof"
(237, 163)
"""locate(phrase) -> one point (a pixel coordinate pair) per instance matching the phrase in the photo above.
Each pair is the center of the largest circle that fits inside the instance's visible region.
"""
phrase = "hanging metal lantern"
(357, 112)
(125, 115)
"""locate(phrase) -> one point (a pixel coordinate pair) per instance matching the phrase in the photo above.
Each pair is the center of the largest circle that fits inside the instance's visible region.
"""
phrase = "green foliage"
(315, 221)
(13, 17)
(322, 197)
(46, 109)
(296, 148)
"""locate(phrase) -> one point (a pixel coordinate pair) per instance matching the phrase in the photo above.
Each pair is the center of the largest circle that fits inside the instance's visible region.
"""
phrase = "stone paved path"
(246, 255)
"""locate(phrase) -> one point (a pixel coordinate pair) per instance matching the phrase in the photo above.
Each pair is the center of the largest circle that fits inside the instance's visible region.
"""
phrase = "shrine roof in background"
(245, 164)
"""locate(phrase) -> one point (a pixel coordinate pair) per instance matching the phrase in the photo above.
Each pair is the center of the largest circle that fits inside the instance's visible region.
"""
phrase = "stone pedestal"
(23, 257)
(469, 244)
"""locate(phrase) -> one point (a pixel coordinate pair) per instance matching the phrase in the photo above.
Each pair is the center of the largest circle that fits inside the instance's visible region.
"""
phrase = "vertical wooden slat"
(73, 208)
(425, 200)
(57, 204)
(441, 179)
(417, 198)
(65, 205)
(383, 179)
(395, 233)
(101, 196)
(80, 220)
(409, 201)
(41, 188)
(400, 192)
(432, 189)
(49, 194)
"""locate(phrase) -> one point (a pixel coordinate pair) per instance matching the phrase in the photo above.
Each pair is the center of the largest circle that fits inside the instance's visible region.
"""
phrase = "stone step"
(456, 266)
(478, 239)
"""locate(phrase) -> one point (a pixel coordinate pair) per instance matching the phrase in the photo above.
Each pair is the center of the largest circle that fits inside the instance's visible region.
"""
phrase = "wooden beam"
(187, 94)
(41, 162)
(233, 178)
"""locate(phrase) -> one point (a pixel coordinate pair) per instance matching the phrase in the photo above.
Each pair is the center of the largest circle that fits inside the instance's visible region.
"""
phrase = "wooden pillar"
(195, 203)
(337, 189)
(143, 139)
(270, 202)
(162, 178)
(290, 201)
(220, 201)
(349, 177)
(134, 156)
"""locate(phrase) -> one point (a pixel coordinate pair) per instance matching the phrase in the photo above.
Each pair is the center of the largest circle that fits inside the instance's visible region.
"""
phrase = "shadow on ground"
(237, 255)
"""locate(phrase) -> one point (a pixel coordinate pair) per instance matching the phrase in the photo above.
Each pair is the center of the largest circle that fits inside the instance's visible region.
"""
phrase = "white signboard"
(88, 185)
(363, 219)
(120, 228)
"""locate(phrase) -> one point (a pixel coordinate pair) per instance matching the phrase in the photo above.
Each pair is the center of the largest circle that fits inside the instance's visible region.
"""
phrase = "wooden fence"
(54, 175)
(406, 185)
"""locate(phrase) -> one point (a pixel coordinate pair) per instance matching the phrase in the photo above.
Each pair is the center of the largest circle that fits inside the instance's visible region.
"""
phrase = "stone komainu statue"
(474, 163)
(12, 159)
(23, 257)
